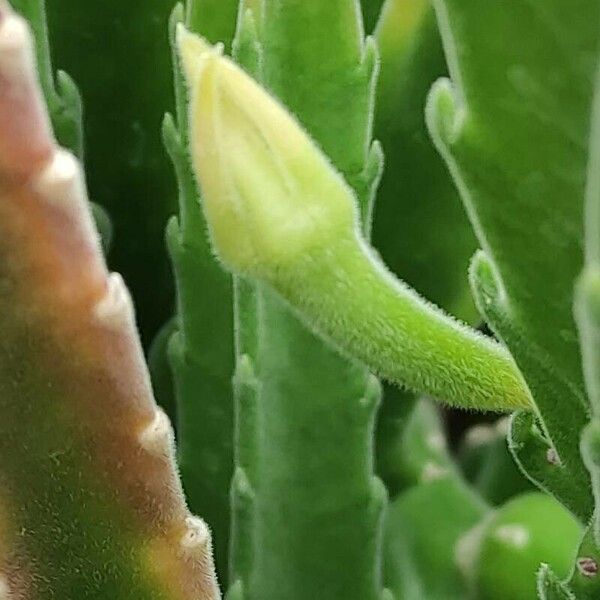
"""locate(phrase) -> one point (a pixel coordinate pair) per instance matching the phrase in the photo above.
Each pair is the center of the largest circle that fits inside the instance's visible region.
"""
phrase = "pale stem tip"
(156, 438)
(14, 31)
(58, 180)
(17, 61)
(197, 535)
(115, 309)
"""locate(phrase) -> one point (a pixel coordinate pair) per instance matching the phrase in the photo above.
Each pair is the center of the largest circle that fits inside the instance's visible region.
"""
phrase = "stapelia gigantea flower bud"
(268, 192)
(279, 212)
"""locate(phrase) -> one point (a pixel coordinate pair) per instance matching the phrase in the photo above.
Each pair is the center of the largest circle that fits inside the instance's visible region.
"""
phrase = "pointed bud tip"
(268, 192)
(193, 51)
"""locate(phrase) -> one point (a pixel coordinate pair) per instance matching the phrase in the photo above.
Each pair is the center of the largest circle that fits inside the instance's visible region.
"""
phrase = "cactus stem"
(68, 329)
(4, 589)
(26, 141)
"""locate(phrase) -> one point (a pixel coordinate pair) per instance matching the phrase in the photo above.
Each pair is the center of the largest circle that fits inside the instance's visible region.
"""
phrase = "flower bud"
(269, 194)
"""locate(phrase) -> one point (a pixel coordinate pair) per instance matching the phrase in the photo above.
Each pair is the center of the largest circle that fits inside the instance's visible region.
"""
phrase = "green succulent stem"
(482, 122)
(247, 51)
(293, 392)
(202, 372)
(345, 293)
(587, 315)
(63, 100)
(90, 502)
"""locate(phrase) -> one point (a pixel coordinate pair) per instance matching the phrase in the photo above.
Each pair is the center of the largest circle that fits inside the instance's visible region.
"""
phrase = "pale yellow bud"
(268, 192)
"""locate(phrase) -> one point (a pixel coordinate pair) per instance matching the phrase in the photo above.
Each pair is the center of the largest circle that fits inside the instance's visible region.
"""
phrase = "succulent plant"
(327, 295)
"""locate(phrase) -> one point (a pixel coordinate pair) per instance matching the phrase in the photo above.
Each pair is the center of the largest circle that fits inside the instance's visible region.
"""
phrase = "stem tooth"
(115, 309)
(197, 536)
(432, 472)
(467, 548)
(436, 441)
(15, 45)
(552, 457)
(60, 181)
(26, 141)
(479, 435)
(157, 438)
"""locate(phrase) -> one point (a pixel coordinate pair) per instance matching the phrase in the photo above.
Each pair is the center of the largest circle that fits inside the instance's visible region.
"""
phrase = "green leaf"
(566, 476)
(421, 451)
(214, 18)
(393, 417)
(161, 372)
(540, 462)
(590, 450)
(371, 12)
(587, 313)
(583, 581)
(515, 139)
(419, 225)
(293, 391)
(248, 52)
(60, 91)
(496, 113)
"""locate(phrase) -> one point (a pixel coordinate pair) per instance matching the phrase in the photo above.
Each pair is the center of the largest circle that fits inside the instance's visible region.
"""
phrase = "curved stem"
(347, 295)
